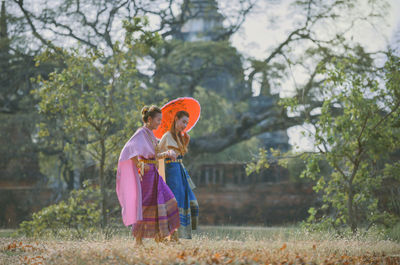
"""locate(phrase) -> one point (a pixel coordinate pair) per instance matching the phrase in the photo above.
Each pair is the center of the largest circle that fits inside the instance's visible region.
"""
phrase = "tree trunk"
(69, 177)
(350, 201)
(102, 185)
(350, 207)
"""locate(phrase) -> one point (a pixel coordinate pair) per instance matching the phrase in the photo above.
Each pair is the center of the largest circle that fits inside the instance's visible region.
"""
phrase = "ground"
(210, 245)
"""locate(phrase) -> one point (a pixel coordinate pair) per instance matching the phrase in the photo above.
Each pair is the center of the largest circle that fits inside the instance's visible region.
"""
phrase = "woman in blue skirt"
(177, 177)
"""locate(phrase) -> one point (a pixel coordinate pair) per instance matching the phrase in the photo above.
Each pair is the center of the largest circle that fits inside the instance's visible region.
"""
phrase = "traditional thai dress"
(180, 183)
(148, 204)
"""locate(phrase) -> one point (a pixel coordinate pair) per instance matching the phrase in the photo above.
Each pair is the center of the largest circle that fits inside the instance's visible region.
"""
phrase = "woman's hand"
(186, 138)
(141, 166)
(143, 169)
(167, 154)
(146, 168)
(171, 154)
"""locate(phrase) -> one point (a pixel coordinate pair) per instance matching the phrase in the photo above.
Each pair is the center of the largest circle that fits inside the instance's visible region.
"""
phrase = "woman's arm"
(164, 151)
(135, 160)
(142, 167)
(167, 154)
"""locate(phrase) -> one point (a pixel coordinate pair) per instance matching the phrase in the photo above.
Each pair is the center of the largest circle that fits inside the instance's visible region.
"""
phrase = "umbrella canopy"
(169, 110)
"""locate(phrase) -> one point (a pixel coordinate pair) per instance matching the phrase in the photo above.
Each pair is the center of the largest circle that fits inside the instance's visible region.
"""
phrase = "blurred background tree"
(97, 105)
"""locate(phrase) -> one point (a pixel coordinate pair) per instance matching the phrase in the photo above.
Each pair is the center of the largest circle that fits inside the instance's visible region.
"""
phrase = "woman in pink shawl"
(147, 202)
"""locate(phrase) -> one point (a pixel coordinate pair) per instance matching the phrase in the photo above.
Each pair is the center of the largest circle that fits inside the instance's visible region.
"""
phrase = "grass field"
(210, 245)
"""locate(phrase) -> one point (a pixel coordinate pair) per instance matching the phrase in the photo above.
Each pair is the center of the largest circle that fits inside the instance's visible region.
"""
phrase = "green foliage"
(262, 161)
(295, 166)
(211, 72)
(77, 216)
(187, 65)
(18, 115)
(356, 138)
(16, 145)
(92, 104)
(94, 96)
(294, 163)
(297, 163)
(355, 132)
(238, 153)
(216, 110)
(394, 232)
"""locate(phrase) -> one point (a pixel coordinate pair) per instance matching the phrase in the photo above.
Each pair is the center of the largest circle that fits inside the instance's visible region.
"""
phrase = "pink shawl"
(128, 181)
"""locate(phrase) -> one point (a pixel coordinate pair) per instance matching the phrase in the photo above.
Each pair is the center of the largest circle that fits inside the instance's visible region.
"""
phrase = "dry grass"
(210, 246)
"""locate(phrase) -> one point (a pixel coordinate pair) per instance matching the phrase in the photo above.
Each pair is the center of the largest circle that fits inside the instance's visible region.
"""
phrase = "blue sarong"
(179, 182)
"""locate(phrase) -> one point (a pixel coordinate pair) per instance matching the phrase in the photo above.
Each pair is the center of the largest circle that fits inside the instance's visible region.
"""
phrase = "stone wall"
(18, 203)
(261, 204)
(226, 195)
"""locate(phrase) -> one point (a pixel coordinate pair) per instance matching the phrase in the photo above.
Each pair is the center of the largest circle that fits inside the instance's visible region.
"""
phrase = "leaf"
(181, 255)
(283, 247)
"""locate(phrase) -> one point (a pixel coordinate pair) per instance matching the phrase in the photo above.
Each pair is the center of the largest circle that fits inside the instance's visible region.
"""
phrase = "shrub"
(78, 215)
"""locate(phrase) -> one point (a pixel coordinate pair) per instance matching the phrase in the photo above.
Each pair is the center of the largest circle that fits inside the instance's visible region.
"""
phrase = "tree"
(69, 19)
(97, 103)
(357, 132)
(304, 49)
(17, 106)
(269, 74)
(356, 147)
(310, 19)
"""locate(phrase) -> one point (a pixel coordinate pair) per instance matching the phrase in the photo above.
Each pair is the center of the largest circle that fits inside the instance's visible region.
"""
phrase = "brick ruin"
(226, 195)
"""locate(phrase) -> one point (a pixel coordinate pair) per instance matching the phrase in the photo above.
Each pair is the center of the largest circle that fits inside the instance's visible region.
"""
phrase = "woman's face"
(155, 122)
(181, 124)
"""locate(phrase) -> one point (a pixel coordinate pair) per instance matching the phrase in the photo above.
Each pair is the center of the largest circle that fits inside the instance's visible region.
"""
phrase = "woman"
(147, 202)
(177, 177)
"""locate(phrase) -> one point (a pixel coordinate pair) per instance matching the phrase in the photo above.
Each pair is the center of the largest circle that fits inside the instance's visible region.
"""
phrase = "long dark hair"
(182, 144)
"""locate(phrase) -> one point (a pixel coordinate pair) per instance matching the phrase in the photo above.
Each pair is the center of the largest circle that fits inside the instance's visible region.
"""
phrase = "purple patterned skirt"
(160, 209)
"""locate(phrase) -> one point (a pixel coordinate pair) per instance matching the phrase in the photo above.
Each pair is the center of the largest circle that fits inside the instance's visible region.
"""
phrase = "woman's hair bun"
(145, 109)
(149, 112)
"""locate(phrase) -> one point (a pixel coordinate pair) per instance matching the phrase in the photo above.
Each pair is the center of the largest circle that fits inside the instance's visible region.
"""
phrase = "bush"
(78, 215)
(394, 232)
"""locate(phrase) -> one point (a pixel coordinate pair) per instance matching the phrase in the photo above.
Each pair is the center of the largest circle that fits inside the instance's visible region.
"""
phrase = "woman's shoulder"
(139, 130)
(139, 133)
(167, 135)
(168, 139)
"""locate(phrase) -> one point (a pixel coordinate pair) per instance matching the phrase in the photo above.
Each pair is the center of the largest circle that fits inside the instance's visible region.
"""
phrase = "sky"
(257, 33)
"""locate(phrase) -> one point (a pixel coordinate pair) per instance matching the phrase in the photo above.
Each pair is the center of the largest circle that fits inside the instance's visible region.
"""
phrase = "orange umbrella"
(169, 110)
